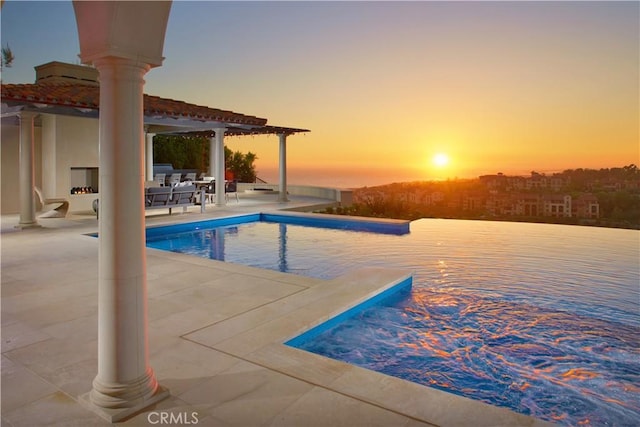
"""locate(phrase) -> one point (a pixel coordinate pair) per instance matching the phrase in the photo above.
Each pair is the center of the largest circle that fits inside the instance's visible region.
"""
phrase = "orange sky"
(498, 86)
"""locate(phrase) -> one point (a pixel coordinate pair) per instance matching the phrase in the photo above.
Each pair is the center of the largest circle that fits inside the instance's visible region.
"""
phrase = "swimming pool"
(539, 318)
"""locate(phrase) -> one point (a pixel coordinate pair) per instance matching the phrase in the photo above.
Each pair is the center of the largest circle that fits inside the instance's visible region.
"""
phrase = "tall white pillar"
(282, 197)
(220, 167)
(149, 155)
(124, 379)
(27, 170)
(125, 383)
(50, 158)
(212, 156)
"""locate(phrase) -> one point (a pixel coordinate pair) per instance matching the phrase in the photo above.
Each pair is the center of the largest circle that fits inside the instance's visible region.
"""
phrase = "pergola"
(160, 116)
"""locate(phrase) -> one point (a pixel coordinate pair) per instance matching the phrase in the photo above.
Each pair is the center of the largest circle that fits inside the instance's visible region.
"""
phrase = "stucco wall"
(9, 173)
(76, 147)
(60, 143)
(344, 197)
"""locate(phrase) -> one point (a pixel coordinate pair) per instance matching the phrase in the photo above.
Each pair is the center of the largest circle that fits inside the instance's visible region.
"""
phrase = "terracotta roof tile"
(84, 96)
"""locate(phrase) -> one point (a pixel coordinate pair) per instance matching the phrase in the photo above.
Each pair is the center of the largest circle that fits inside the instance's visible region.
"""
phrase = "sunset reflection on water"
(550, 364)
(539, 318)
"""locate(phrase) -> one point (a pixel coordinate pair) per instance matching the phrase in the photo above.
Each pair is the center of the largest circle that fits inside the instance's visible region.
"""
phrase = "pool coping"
(373, 225)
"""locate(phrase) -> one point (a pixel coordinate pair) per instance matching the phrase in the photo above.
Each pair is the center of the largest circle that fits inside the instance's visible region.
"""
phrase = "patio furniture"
(174, 179)
(210, 191)
(160, 178)
(169, 198)
(59, 211)
(190, 176)
(231, 187)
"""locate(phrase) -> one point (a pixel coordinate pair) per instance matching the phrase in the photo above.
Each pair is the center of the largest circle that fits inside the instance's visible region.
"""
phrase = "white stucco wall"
(61, 142)
(76, 147)
(9, 152)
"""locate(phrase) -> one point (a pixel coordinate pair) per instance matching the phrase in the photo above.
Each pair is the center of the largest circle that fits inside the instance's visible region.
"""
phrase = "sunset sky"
(385, 86)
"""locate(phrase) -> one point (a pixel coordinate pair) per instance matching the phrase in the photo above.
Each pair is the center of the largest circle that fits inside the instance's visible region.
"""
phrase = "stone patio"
(215, 338)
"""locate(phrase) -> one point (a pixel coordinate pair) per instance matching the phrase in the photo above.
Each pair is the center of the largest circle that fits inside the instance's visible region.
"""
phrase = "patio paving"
(215, 338)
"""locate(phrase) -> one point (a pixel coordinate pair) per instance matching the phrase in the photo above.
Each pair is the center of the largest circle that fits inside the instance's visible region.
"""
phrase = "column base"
(25, 225)
(119, 414)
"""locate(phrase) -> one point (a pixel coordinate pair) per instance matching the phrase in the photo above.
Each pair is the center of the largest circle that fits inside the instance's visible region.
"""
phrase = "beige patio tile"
(56, 409)
(59, 311)
(300, 364)
(161, 282)
(80, 327)
(17, 334)
(62, 290)
(21, 386)
(46, 357)
(75, 378)
(247, 394)
(320, 407)
(184, 365)
(184, 321)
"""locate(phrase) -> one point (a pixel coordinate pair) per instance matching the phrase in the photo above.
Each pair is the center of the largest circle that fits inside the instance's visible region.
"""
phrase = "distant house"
(586, 206)
(557, 205)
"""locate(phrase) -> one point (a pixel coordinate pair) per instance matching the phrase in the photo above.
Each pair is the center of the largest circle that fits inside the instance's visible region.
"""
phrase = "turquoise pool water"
(543, 319)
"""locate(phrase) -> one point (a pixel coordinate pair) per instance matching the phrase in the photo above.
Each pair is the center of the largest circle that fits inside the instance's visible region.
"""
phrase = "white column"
(149, 155)
(212, 156)
(50, 158)
(282, 197)
(124, 379)
(27, 198)
(220, 166)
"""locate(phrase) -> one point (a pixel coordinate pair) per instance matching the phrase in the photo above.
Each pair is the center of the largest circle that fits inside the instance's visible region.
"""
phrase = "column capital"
(120, 68)
(134, 30)
(27, 115)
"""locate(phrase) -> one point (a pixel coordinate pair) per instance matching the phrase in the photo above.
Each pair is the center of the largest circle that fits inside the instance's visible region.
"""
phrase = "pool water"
(543, 319)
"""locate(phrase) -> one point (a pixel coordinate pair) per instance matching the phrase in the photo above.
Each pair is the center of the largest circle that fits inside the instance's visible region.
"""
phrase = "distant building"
(556, 205)
(586, 206)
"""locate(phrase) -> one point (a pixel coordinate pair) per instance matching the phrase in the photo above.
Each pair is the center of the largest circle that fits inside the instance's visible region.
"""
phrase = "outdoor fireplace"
(84, 180)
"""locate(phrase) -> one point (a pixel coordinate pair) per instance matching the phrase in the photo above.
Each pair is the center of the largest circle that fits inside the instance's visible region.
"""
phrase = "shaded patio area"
(215, 338)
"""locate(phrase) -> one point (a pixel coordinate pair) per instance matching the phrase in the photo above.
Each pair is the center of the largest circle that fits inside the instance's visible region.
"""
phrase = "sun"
(440, 160)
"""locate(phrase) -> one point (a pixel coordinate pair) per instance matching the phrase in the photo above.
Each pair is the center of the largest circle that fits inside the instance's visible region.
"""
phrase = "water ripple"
(543, 319)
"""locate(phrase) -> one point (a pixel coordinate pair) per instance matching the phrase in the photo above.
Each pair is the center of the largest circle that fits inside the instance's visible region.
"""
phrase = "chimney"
(60, 73)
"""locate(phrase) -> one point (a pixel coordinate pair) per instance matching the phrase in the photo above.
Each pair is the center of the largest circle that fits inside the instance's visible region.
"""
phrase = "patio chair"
(159, 178)
(211, 191)
(157, 196)
(174, 179)
(191, 176)
(59, 211)
(231, 187)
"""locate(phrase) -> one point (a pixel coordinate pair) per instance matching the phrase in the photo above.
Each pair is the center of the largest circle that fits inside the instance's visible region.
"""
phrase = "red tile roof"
(84, 96)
